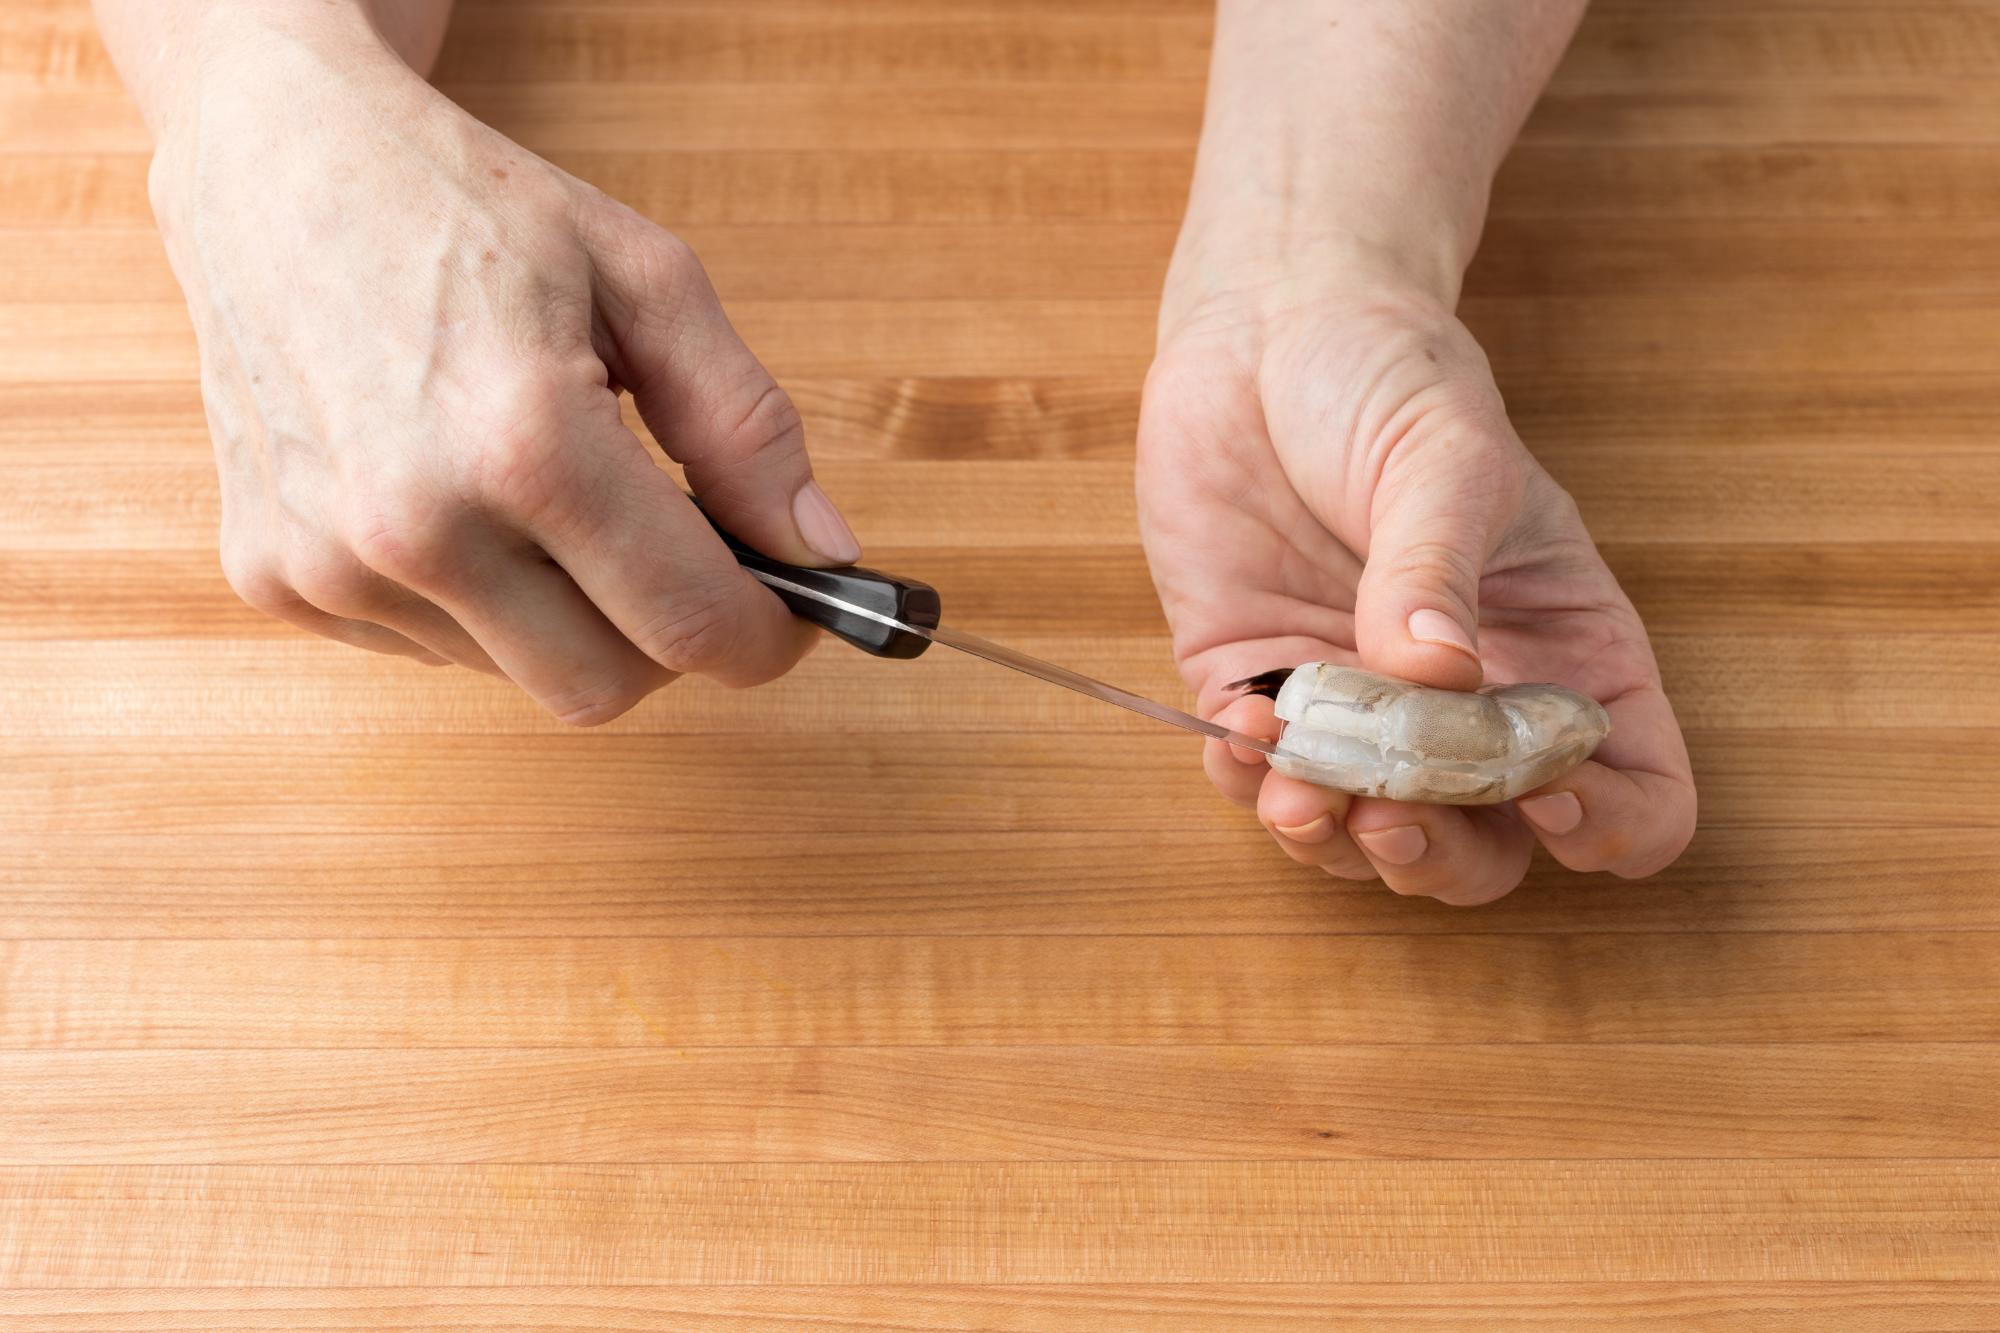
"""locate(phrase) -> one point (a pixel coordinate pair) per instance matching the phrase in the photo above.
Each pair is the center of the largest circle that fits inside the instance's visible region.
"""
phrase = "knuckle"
(1561, 507)
(770, 423)
(332, 581)
(698, 629)
(671, 259)
(256, 580)
(671, 272)
(1438, 562)
(659, 269)
(525, 465)
(523, 471)
(404, 533)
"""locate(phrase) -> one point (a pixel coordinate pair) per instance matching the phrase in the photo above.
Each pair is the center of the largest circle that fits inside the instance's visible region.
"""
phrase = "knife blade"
(1025, 663)
(889, 616)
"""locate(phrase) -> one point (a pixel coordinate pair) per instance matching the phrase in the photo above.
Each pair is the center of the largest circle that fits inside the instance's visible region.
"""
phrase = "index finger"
(644, 555)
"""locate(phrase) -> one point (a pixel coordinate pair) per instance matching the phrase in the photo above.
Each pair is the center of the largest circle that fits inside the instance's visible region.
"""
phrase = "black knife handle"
(906, 600)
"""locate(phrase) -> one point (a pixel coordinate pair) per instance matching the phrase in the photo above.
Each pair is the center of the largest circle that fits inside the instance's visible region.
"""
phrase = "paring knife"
(897, 617)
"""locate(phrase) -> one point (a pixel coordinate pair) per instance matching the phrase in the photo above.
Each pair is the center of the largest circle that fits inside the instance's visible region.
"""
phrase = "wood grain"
(1209, 882)
(338, 993)
(821, 1103)
(985, 778)
(1261, 1307)
(995, 990)
(991, 1222)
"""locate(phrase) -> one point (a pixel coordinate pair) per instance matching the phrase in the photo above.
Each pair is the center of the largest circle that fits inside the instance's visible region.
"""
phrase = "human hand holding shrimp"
(1327, 472)
(1339, 481)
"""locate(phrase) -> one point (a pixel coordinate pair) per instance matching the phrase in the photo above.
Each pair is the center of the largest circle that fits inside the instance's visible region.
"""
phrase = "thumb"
(1437, 518)
(710, 403)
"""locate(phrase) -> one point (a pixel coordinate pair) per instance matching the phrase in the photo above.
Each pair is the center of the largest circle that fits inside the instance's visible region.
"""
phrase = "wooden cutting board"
(338, 993)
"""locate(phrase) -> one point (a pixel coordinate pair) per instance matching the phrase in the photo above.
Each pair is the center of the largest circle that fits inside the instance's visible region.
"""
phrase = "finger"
(1463, 855)
(668, 583)
(1252, 715)
(707, 399)
(1438, 517)
(343, 586)
(626, 535)
(271, 594)
(1597, 818)
(1238, 773)
(1309, 823)
(1631, 808)
(554, 643)
(521, 610)
(423, 621)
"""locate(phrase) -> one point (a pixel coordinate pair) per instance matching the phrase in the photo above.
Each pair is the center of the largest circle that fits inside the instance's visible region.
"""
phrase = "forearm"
(1368, 130)
(161, 46)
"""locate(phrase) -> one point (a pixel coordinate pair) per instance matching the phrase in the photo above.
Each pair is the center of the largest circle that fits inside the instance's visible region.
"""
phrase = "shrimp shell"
(1374, 735)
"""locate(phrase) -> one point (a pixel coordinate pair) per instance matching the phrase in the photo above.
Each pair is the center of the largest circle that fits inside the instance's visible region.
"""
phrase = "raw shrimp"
(1374, 735)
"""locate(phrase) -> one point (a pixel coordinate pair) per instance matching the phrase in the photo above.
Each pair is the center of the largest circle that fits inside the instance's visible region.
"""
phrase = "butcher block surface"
(341, 993)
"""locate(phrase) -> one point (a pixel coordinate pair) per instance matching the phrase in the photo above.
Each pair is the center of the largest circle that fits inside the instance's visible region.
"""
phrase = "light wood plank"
(1031, 1222)
(608, 782)
(1261, 1307)
(1119, 882)
(1001, 990)
(1620, 46)
(1636, 182)
(1464, 1102)
(721, 45)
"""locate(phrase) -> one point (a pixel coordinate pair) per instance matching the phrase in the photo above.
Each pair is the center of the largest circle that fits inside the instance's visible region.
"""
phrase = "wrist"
(1356, 144)
(172, 59)
(1246, 280)
(1277, 210)
(242, 70)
